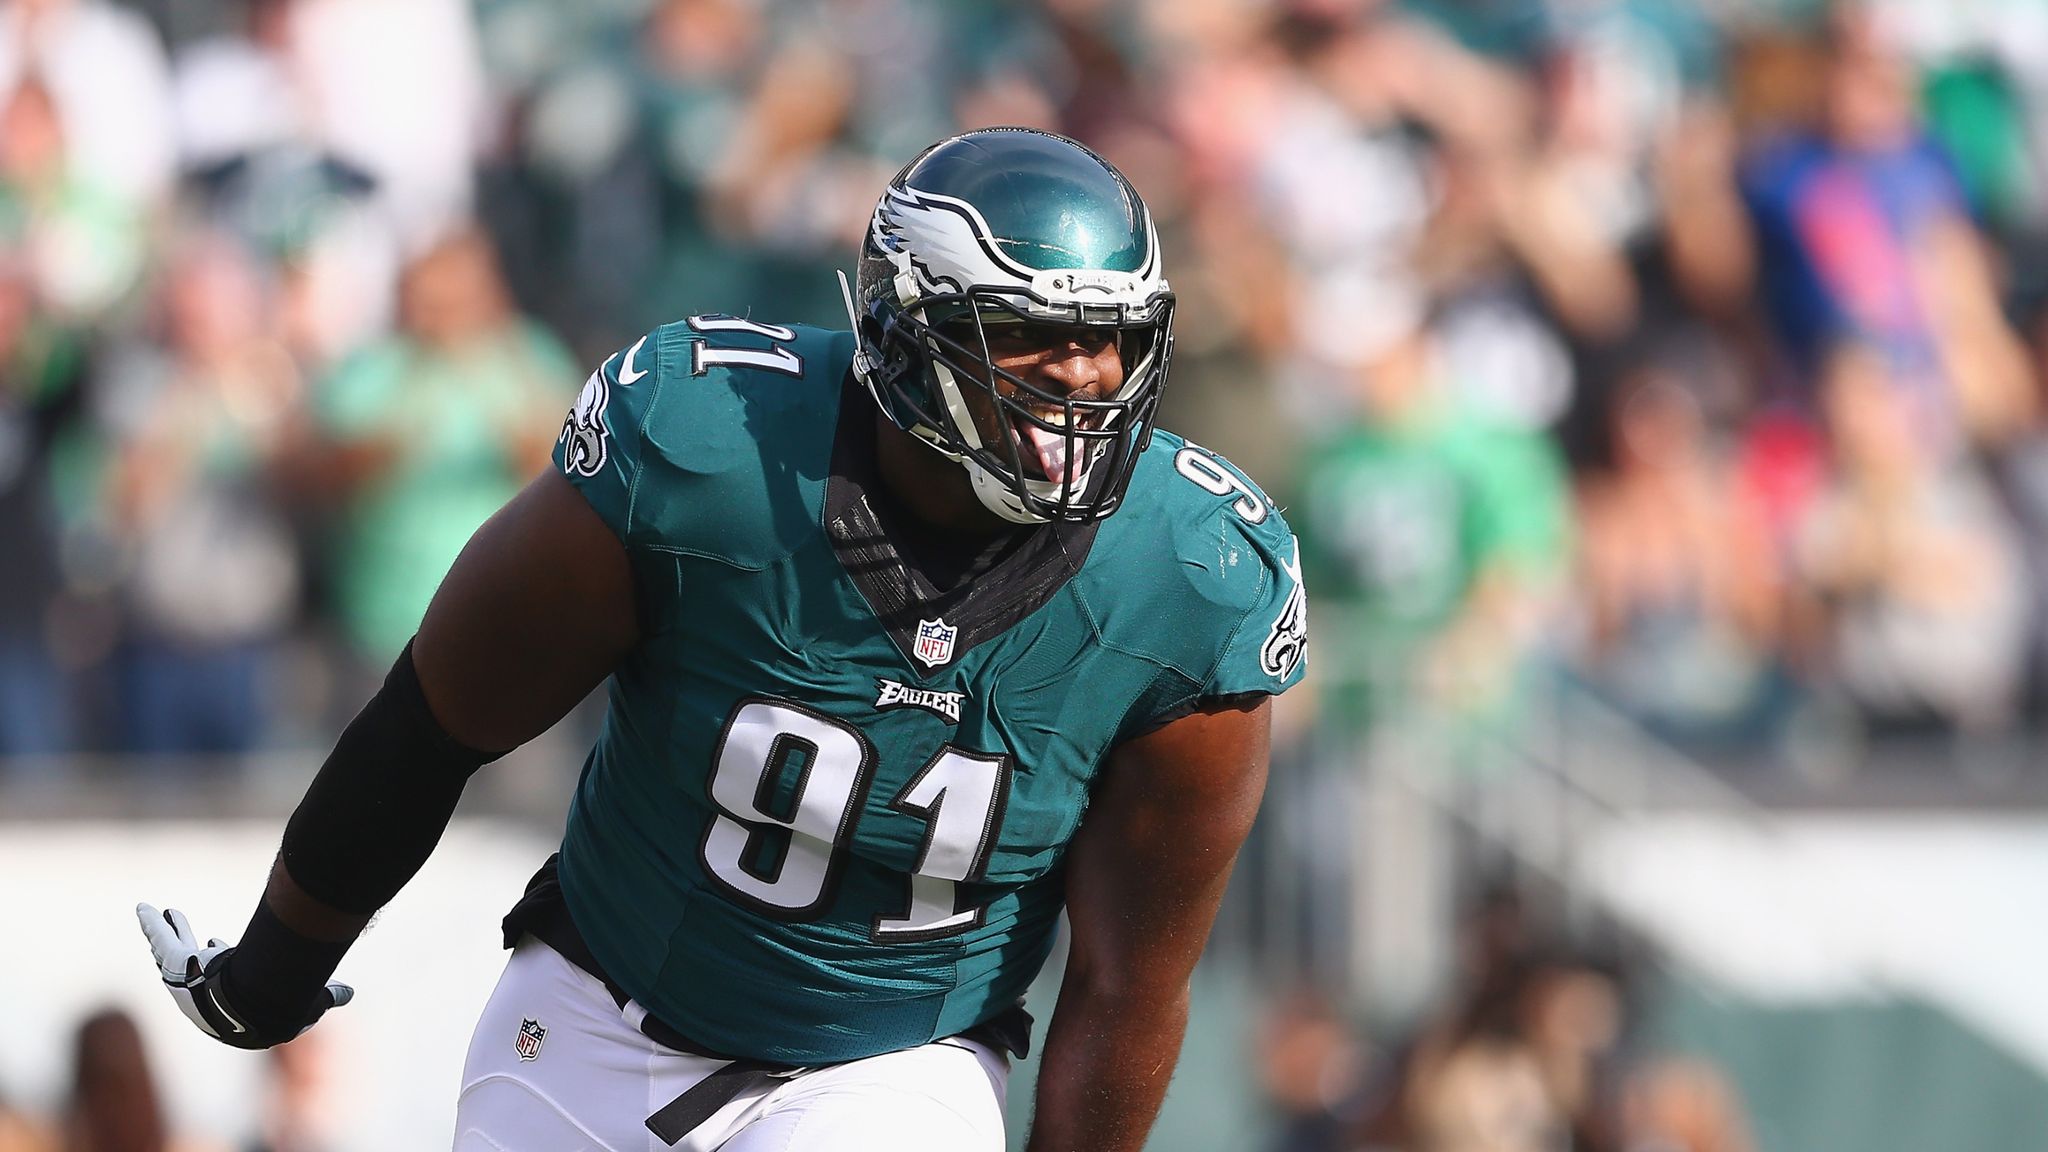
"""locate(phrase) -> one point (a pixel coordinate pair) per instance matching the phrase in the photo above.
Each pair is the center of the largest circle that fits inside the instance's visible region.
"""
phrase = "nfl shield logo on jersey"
(530, 1036)
(934, 642)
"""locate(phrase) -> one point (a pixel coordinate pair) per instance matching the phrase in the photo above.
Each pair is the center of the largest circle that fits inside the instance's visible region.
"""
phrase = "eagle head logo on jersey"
(584, 432)
(1287, 641)
(934, 644)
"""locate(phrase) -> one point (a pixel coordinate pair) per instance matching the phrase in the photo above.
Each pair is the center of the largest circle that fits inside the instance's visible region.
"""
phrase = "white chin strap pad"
(997, 497)
(994, 495)
(1002, 500)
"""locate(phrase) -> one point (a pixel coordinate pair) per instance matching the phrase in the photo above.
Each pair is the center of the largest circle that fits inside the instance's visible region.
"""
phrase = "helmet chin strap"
(994, 494)
(998, 497)
(863, 368)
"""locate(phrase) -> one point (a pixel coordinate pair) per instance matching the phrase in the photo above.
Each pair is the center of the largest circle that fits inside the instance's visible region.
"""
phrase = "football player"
(917, 634)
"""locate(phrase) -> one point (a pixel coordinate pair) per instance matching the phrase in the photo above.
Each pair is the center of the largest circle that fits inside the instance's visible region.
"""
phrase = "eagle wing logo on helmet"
(1076, 248)
(944, 239)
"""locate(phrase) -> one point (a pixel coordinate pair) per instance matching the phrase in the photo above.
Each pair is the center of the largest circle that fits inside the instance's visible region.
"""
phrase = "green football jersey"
(826, 815)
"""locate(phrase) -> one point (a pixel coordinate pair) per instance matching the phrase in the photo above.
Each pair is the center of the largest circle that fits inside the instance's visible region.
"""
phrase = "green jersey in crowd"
(452, 424)
(1401, 520)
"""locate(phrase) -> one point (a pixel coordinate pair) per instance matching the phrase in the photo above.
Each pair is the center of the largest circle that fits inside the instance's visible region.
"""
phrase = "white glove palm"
(193, 975)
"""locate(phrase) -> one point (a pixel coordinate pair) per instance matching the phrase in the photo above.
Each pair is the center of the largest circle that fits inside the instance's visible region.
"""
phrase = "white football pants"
(555, 1066)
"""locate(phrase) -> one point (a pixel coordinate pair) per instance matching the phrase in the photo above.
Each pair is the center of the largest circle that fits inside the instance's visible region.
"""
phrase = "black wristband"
(274, 975)
(381, 801)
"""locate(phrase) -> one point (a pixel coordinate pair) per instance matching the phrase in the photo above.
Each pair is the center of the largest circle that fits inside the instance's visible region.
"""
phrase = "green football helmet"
(1006, 226)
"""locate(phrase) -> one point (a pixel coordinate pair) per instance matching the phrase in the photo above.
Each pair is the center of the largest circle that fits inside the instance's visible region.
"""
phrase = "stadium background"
(1656, 386)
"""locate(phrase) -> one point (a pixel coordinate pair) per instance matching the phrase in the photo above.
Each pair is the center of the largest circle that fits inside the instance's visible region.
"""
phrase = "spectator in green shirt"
(1429, 533)
(429, 432)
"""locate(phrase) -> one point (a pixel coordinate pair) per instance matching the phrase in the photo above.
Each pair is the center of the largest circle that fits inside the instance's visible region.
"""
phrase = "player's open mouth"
(1047, 451)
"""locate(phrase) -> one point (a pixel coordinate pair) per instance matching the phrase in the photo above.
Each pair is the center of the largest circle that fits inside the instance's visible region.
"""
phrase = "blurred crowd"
(1539, 1048)
(1692, 350)
(1704, 362)
(260, 371)
(115, 1102)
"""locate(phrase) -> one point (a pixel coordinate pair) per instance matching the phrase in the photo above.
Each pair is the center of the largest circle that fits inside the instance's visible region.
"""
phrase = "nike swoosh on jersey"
(626, 373)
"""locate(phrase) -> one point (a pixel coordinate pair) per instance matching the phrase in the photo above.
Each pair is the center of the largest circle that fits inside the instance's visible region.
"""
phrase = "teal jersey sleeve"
(1228, 616)
(700, 437)
(1267, 651)
(601, 445)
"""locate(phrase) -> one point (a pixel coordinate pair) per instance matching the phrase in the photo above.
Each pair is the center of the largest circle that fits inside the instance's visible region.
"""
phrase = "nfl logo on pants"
(530, 1036)
(934, 642)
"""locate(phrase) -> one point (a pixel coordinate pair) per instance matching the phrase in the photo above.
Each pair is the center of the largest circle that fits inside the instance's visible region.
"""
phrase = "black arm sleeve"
(381, 801)
(370, 819)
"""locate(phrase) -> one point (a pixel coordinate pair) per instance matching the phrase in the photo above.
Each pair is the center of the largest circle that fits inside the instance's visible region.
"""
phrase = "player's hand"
(197, 979)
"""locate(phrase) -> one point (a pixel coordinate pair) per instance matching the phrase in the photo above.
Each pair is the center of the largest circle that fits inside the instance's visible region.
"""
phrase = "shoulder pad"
(707, 436)
(1214, 568)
